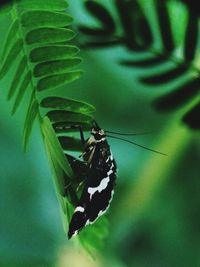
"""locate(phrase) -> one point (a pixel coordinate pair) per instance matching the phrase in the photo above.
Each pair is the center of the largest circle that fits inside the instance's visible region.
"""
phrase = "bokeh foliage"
(131, 60)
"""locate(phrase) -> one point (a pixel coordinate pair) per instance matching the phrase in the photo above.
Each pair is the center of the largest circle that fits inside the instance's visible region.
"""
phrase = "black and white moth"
(98, 169)
(99, 182)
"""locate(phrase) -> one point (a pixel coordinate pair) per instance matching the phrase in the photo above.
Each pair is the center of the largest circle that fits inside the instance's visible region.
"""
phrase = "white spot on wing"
(101, 212)
(87, 222)
(109, 172)
(75, 233)
(111, 156)
(79, 208)
(103, 184)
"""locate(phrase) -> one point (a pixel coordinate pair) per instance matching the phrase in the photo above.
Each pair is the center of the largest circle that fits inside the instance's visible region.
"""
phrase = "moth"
(100, 173)
(99, 185)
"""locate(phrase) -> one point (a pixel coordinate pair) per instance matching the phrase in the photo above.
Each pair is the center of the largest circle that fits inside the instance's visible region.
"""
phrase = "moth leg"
(81, 134)
(87, 153)
(80, 185)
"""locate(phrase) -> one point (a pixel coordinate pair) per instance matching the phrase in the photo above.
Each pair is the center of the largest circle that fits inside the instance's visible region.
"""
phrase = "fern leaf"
(22, 89)
(29, 120)
(71, 143)
(54, 52)
(58, 5)
(55, 67)
(55, 147)
(67, 211)
(53, 81)
(10, 58)
(191, 38)
(45, 61)
(11, 37)
(67, 104)
(191, 118)
(166, 76)
(67, 116)
(49, 35)
(165, 25)
(126, 22)
(35, 47)
(102, 14)
(41, 18)
(144, 63)
(179, 96)
(132, 19)
(59, 180)
(137, 35)
(17, 77)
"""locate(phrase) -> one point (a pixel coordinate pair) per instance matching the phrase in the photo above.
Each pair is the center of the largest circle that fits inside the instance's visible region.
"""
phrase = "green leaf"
(67, 104)
(191, 38)
(135, 25)
(55, 146)
(49, 35)
(43, 5)
(54, 52)
(17, 77)
(10, 58)
(178, 97)
(166, 76)
(67, 116)
(67, 211)
(103, 15)
(29, 120)
(93, 236)
(145, 62)
(192, 117)
(58, 80)
(142, 27)
(59, 180)
(71, 143)
(22, 89)
(36, 18)
(129, 12)
(102, 43)
(165, 25)
(54, 67)
(11, 36)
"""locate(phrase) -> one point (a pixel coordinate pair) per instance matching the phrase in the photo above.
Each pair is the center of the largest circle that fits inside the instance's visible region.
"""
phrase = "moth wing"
(98, 191)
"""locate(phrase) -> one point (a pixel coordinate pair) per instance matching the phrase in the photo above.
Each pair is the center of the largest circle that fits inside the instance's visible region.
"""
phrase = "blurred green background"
(154, 219)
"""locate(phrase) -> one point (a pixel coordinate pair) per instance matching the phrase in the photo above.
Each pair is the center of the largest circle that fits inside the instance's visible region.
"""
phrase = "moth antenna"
(131, 142)
(129, 134)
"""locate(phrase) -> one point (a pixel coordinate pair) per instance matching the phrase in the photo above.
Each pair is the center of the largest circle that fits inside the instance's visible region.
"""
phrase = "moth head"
(98, 133)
